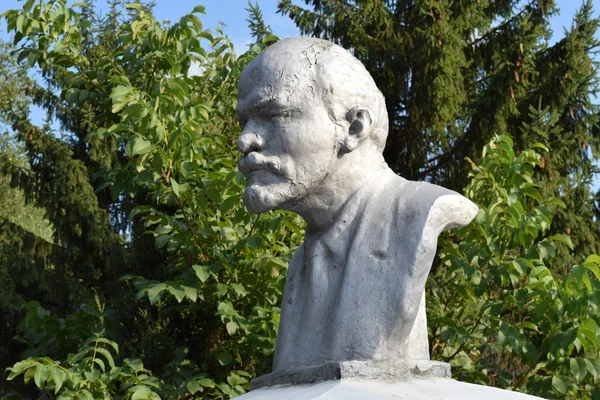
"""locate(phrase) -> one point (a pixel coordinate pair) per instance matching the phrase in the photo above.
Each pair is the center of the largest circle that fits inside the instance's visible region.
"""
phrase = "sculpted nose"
(249, 142)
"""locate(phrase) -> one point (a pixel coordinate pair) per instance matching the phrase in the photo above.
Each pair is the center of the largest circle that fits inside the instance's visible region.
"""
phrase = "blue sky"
(232, 13)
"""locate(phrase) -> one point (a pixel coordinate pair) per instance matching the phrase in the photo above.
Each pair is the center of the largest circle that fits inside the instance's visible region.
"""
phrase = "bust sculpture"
(314, 128)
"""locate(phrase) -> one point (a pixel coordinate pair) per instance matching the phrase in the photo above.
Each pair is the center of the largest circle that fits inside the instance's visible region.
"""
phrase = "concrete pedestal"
(383, 371)
(415, 389)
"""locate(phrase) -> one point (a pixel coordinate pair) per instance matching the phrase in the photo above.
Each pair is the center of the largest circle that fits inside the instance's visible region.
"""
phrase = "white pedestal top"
(416, 389)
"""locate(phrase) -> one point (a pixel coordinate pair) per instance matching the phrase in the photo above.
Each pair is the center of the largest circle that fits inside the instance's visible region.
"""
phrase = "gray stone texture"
(314, 128)
(366, 370)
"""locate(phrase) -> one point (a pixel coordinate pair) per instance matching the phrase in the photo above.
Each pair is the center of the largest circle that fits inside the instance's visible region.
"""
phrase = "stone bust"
(314, 128)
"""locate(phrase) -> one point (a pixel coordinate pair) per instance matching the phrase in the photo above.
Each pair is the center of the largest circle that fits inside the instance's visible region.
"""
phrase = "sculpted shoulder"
(445, 208)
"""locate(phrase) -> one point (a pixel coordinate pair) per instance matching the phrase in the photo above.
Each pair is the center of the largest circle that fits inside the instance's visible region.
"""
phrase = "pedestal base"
(368, 370)
(415, 389)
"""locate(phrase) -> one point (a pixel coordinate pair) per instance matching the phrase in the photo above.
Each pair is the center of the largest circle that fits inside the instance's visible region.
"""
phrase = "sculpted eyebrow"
(266, 104)
(261, 107)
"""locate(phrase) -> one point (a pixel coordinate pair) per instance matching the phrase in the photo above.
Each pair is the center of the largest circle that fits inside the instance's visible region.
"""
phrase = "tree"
(26, 237)
(455, 73)
(211, 317)
(496, 311)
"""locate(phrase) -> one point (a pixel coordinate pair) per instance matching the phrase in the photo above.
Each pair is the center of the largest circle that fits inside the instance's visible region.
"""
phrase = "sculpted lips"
(258, 162)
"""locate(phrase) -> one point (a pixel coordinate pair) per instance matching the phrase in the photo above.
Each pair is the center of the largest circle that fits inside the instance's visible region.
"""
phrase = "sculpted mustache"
(256, 161)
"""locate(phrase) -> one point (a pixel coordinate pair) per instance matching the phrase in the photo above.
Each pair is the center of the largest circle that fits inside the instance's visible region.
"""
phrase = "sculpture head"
(310, 114)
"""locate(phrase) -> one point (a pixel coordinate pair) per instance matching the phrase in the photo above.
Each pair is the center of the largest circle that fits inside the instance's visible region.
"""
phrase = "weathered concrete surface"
(417, 389)
(314, 128)
(366, 370)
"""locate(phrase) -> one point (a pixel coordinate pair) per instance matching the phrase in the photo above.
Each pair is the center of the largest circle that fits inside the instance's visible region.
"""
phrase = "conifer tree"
(454, 73)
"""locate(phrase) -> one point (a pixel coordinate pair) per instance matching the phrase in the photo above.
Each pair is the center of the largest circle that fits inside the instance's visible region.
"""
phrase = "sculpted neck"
(351, 172)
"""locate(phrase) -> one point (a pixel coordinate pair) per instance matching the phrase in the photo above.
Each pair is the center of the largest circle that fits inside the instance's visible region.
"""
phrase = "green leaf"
(225, 357)
(533, 193)
(196, 22)
(574, 368)
(161, 240)
(140, 392)
(107, 355)
(539, 145)
(592, 369)
(85, 395)
(175, 186)
(155, 291)
(562, 238)
(120, 91)
(28, 5)
(117, 107)
(222, 289)
(100, 364)
(213, 195)
(190, 293)
(202, 272)
(41, 375)
(20, 20)
(592, 266)
(141, 146)
(58, 376)
(109, 342)
(559, 385)
(528, 325)
(135, 364)
(132, 110)
(254, 242)
(193, 386)
(135, 6)
(177, 291)
(530, 352)
(582, 366)
(231, 327)
(178, 188)
(19, 368)
(225, 308)
(206, 382)
(589, 329)
(239, 289)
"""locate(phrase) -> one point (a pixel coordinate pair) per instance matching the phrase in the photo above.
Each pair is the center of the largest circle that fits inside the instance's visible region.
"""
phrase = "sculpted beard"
(268, 185)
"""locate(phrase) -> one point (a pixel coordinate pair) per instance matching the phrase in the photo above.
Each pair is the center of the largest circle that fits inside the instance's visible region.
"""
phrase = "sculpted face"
(289, 142)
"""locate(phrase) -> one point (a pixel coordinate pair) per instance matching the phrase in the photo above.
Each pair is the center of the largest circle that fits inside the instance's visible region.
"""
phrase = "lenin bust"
(314, 128)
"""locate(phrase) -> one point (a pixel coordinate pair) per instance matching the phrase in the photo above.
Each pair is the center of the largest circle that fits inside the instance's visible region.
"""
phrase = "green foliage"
(259, 29)
(212, 312)
(88, 373)
(26, 236)
(496, 311)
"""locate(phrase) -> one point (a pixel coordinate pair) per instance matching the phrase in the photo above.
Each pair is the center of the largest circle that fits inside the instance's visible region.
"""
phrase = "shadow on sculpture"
(314, 128)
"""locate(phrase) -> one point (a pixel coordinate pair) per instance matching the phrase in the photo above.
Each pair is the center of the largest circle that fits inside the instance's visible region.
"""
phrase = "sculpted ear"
(361, 125)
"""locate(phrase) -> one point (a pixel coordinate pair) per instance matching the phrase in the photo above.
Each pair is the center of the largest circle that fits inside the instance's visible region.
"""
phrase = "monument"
(314, 127)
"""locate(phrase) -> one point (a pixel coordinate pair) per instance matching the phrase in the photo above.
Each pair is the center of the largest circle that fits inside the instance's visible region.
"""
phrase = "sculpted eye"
(281, 114)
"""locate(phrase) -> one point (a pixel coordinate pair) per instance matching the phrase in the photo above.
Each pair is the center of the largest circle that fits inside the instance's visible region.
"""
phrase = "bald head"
(314, 70)
(313, 127)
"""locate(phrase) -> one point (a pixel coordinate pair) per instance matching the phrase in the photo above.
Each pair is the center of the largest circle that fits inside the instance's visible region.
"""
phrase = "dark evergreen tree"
(454, 73)
(63, 237)
(90, 176)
